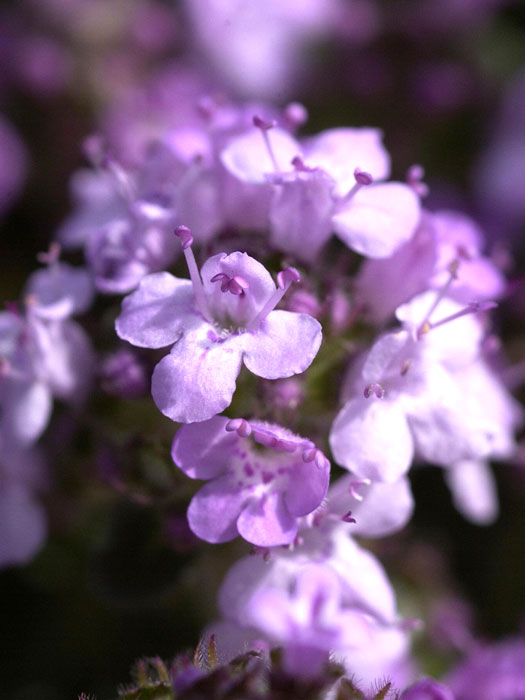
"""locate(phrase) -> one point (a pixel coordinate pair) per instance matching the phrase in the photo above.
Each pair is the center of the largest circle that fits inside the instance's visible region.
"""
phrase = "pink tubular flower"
(257, 493)
(225, 316)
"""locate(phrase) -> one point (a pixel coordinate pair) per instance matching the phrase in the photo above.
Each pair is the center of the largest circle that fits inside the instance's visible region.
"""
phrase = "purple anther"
(233, 425)
(51, 255)
(245, 429)
(287, 276)
(376, 389)
(362, 177)
(309, 454)
(238, 285)
(183, 233)
(224, 280)
(300, 166)
(347, 517)
(263, 124)
(414, 179)
(295, 114)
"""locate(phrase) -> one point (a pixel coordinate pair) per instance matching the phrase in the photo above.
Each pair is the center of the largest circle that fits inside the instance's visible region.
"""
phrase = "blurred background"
(121, 576)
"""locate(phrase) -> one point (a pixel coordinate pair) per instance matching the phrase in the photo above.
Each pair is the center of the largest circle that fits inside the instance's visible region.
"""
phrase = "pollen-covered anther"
(375, 389)
(236, 285)
(239, 426)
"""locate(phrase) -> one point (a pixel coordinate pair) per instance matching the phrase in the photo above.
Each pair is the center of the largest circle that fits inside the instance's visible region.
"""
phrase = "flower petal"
(267, 522)
(474, 491)
(213, 511)
(308, 487)
(371, 438)
(247, 157)
(378, 219)
(154, 315)
(197, 379)
(285, 344)
(340, 151)
(203, 450)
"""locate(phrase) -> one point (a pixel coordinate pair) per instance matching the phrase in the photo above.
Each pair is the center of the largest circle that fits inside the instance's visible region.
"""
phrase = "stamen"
(284, 280)
(265, 127)
(425, 325)
(237, 285)
(301, 167)
(414, 179)
(239, 426)
(362, 179)
(473, 307)
(51, 256)
(354, 485)
(186, 239)
(347, 518)
(376, 389)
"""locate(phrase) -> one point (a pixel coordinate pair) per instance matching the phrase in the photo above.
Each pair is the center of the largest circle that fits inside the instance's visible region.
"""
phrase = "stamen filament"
(425, 325)
(186, 239)
(284, 280)
(472, 308)
(264, 127)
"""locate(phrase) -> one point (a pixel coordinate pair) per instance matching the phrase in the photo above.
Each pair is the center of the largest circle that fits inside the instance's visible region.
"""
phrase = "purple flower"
(424, 390)
(225, 316)
(257, 493)
(495, 672)
(423, 263)
(330, 183)
(310, 622)
(324, 580)
(43, 353)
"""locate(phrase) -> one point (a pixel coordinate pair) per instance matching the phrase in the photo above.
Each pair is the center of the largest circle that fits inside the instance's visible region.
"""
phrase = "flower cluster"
(256, 211)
